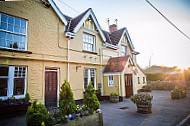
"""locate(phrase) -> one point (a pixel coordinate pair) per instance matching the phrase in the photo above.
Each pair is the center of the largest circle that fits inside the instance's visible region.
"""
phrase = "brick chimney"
(113, 28)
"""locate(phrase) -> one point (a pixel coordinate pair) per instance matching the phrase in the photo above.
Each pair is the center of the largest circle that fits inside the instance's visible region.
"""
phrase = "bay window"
(13, 32)
(88, 42)
(12, 81)
(89, 76)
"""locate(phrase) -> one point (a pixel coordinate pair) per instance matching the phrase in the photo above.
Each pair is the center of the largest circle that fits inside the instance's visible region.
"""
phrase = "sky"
(150, 33)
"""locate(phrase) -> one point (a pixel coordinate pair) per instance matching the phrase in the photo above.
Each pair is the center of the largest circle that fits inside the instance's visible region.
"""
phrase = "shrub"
(114, 94)
(36, 114)
(27, 98)
(155, 76)
(142, 99)
(90, 98)
(66, 101)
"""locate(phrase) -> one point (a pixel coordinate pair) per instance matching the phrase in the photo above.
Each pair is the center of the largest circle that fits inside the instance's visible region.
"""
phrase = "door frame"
(132, 80)
(52, 69)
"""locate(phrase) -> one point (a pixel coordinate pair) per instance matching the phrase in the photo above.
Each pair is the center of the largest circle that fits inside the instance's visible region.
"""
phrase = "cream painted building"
(40, 47)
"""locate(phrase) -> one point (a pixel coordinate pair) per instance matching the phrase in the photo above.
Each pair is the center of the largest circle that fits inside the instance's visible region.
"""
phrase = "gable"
(125, 33)
(78, 21)
(58, 11)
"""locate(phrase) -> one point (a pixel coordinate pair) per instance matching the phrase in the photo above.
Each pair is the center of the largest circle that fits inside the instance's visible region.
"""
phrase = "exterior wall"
(140, 74)
(109, 89)
(48, 44)
(45, 32)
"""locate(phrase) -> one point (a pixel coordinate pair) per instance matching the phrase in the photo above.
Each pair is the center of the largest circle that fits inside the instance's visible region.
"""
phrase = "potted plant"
(178, 92)
(114, 97)
(143, 102)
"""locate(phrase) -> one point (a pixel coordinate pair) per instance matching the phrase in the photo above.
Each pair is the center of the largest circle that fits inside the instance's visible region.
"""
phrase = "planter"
(114, 99)
(13, 110)
(144, 109)
(178, 95)
(92, 120)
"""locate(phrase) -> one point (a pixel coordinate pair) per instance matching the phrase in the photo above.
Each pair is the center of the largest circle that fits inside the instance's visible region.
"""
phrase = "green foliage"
(66, 101)
(90, 98)
(36, 114)
(99, 90)
(27, 97)
(142, 99)
(114, 94)
(155, 76)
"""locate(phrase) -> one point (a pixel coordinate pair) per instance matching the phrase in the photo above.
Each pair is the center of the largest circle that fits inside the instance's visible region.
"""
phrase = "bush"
(142, 99)
(36, 114)
(155, 76)
(66, 101)
(90, 98)
(114, 94)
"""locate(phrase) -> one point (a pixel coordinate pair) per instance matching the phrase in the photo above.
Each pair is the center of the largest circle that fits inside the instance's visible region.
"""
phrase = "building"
(40, 47)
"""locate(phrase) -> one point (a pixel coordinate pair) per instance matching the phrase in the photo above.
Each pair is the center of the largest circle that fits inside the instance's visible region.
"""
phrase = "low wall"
(166, 85)
(92, 120)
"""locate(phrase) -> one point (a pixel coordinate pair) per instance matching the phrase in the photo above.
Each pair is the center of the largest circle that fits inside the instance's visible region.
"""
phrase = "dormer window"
(124, 39)
(123, 50)
(13, 32)
(89, 24)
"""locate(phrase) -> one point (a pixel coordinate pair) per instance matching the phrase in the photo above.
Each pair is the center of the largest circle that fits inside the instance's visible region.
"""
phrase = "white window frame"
(14, 33)
(89, 76)
(10, 84)
(86, 43)
(110, 81)
(123, 50)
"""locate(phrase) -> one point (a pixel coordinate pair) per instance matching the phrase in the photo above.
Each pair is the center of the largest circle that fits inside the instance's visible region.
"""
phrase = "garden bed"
(91, 120)
(13, 110)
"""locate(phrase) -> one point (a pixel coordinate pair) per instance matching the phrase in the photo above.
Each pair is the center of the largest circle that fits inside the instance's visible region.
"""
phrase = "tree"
(66, 100)
(90, 98)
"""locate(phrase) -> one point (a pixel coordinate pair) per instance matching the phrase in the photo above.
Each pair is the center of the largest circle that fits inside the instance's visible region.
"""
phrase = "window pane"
(23, 30)
(9, 36)
(10, 28)
(10, 20)
(3, 86)
(2, 43)
(3, 18)
(85, 83)
(17, 21)
(22, 39)
(4, 71)
(23, 23)
(18, 86)
(22, 45)
(9, 44)
(3, 26)
(16, 38)
(16, 29)
(92, 80)
(2, 35)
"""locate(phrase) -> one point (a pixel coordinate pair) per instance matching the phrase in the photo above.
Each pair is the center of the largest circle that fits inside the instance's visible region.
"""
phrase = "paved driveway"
(165, 111)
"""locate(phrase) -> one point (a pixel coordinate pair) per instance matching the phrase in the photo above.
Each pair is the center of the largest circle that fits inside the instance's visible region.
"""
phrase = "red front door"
(51, 88)
(128, 85)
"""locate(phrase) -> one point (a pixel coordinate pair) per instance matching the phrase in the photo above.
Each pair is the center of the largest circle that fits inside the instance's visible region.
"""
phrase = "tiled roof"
(116, 64)
(75, 21)
(116, 36)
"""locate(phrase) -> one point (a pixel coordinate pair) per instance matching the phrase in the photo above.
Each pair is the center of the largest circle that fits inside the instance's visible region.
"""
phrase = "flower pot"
(144, 109)
(114, 99)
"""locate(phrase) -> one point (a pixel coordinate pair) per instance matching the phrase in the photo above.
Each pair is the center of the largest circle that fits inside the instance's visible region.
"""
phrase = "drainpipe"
(101, 71)
(68, 58)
